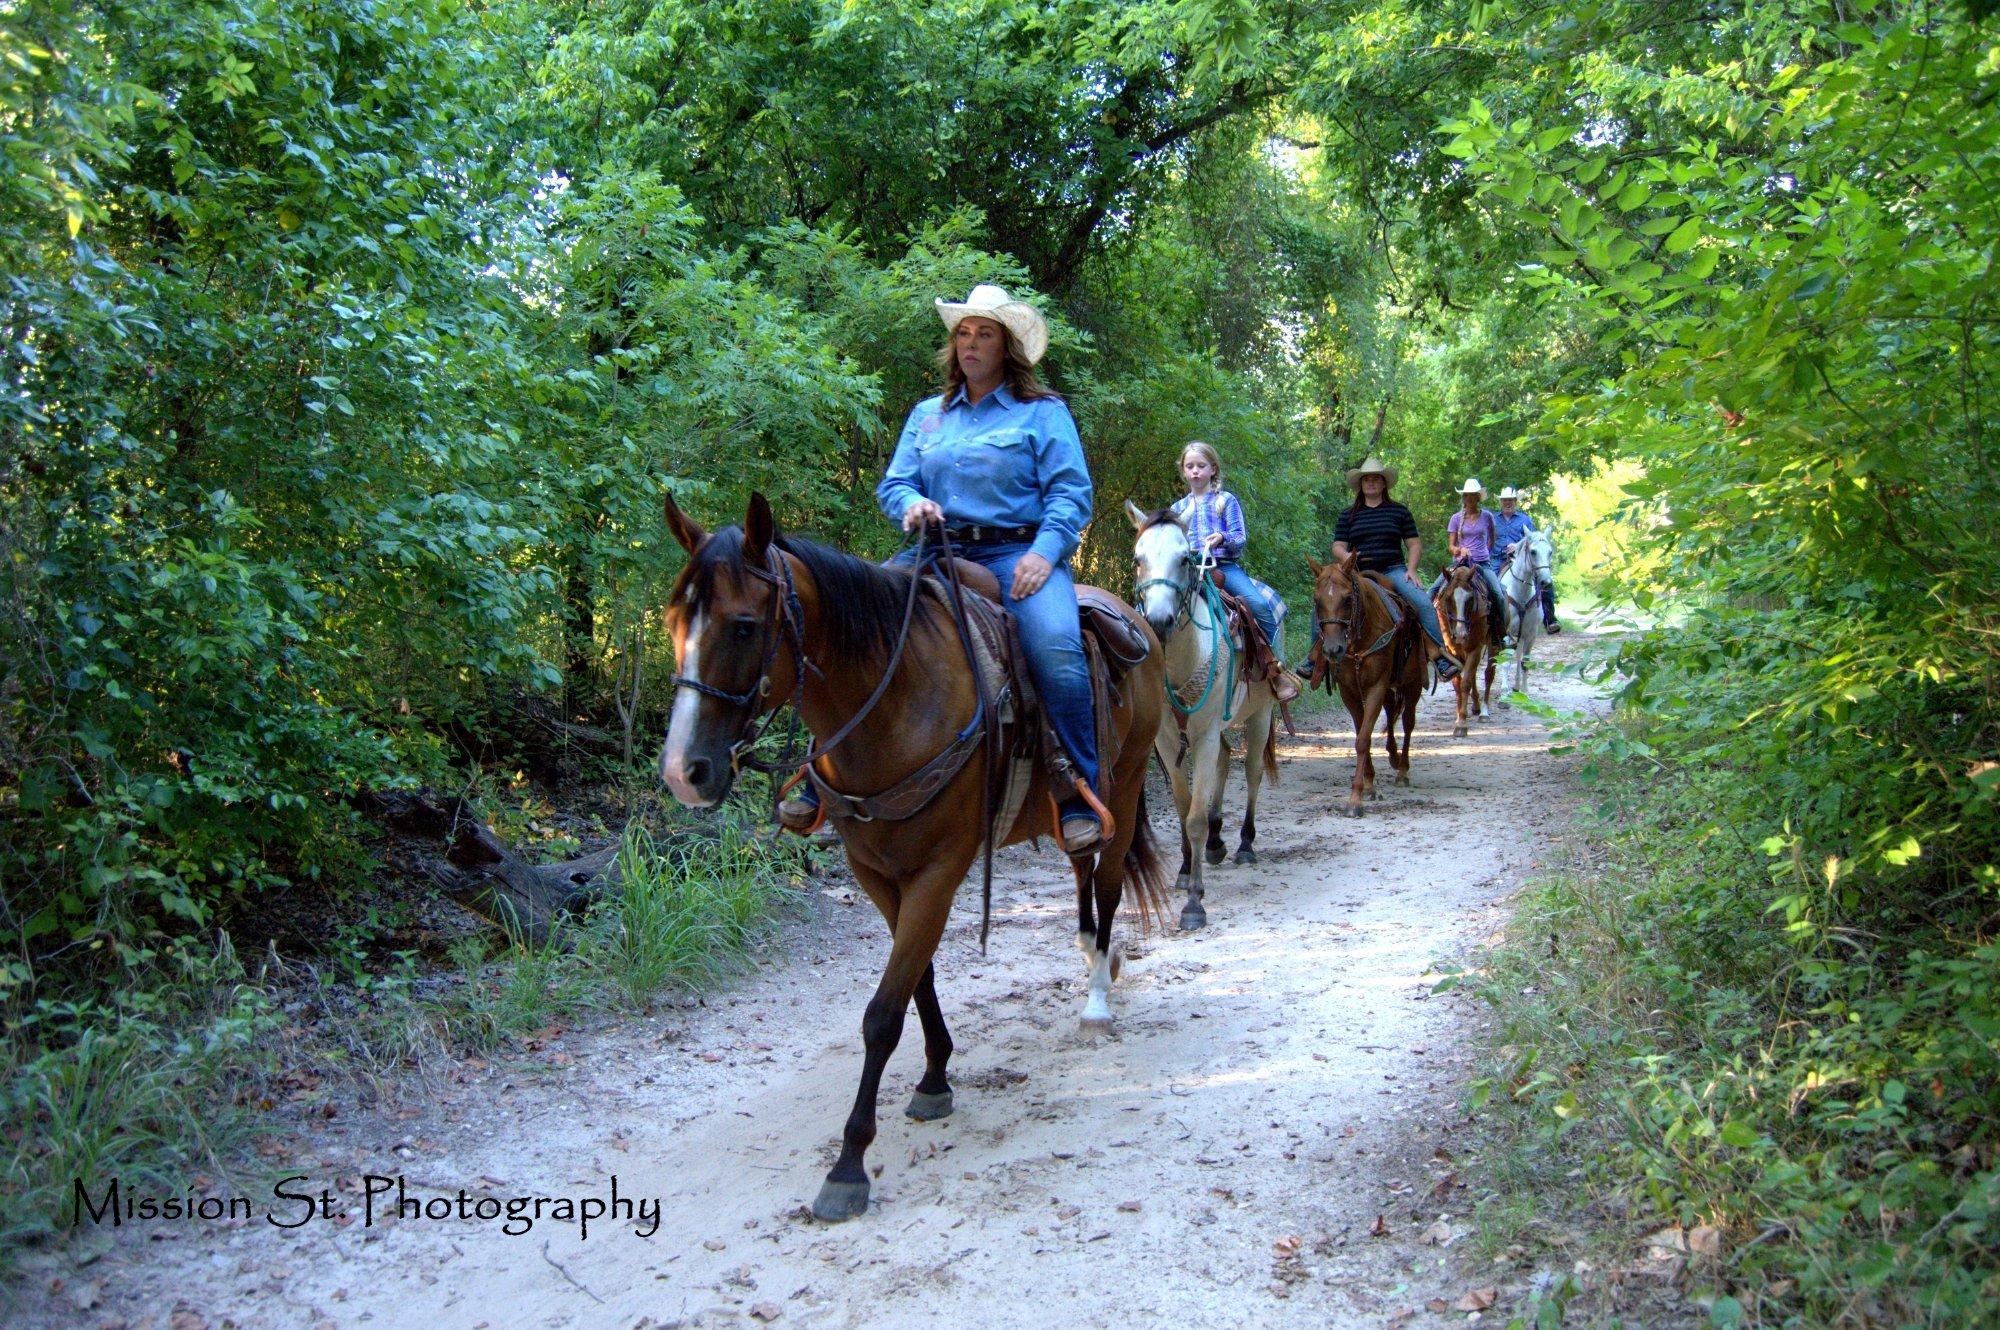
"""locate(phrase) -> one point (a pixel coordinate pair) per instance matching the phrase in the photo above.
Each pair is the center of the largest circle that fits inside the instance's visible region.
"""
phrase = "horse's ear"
(758, 529)
(1347, 564)
(1316, 566)
(1140, 518)
(685, 531)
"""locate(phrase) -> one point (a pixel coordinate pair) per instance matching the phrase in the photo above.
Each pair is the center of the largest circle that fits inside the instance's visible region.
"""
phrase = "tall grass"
(149, 1086)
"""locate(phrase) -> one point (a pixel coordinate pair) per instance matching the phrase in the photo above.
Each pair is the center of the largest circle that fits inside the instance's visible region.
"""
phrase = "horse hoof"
(1401, 779)
(929, 1107)
(1181, 883)
(1246, 855)
(1090, 1027)
(839, 1201)
(1459, 731)
(1374, 795)
(1354, 810)
(1193, 917)
(1215, 854)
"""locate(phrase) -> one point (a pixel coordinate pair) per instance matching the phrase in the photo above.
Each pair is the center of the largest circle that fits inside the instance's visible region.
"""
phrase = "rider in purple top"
(1472, 531)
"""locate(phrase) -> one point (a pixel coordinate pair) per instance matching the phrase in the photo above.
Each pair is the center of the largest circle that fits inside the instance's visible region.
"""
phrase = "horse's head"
(1459, 598)
(1162, 568)
(730, 611)
(1543, 551)
(1336, 605)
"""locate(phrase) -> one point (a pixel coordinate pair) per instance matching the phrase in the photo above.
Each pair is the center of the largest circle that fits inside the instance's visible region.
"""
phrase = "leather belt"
(990, 535)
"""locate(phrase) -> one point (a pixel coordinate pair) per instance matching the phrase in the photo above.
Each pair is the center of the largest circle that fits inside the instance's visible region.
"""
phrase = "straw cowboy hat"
(1511, 493)
(1472, 486)
(1024, 321)
(1372, 467)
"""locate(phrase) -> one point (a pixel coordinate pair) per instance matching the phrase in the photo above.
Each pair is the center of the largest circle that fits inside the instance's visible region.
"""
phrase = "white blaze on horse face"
(681, 726)
(1162, 551)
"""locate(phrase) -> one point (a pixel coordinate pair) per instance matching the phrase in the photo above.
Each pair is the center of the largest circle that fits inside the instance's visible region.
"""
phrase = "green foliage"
(147, 1087)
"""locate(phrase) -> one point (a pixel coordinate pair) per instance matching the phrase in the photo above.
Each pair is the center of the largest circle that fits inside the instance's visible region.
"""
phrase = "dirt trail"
(1278, 1081)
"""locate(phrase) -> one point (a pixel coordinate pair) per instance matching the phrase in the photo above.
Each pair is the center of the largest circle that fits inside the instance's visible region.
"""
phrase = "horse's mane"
(866, 601)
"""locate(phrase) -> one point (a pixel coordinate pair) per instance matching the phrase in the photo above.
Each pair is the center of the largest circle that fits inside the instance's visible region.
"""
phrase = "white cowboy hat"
(1510, 493)
(1472, 486)
(1024, 321)
(1372, 467)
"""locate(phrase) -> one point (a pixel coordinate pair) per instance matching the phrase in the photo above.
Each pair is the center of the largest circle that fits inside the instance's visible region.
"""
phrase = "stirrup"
(802, 812)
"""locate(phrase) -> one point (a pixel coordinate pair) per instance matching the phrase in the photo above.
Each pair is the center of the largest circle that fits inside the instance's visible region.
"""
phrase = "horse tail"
(1145, 870)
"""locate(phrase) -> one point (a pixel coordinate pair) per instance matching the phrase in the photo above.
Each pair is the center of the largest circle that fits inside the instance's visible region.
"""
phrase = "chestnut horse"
(1467, 632)
(1376, 658)
(759, 619)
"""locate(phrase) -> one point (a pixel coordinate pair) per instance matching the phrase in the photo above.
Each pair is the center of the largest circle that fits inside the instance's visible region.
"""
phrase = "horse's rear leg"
(1258, 736)
(1213, 848)
(1107, 883)
(1409, 707)
(920, 911)
(1389, 709)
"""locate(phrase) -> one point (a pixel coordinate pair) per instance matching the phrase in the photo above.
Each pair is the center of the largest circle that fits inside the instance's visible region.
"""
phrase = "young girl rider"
(1214, 522)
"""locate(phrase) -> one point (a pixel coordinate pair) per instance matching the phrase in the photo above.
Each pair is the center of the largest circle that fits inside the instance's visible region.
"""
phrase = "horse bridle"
(1352, 602)
(781, 623)
(1199, 563)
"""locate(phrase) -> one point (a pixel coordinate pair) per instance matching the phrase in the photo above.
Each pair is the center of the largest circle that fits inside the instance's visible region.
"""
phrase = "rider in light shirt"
(1511, 526)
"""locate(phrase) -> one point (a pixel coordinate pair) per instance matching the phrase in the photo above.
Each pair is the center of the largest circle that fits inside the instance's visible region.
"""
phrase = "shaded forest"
(346, 351)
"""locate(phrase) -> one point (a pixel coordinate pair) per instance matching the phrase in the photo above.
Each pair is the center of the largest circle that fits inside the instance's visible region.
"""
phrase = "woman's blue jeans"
(1240, 584)
(1427, 615)
(1053, 640)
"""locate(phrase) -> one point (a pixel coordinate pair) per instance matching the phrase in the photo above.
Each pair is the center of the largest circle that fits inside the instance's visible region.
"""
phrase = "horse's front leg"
(916, 916)
(1371, 707)
(1168, 745)
(1202, 797)
(1259, 733)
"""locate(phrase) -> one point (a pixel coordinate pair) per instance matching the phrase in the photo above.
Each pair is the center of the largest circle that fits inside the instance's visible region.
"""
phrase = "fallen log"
(482, 873)
(489, 879)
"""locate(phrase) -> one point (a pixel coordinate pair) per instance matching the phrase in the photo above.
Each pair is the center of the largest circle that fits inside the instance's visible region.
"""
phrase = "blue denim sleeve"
(902, 483)
(1064, 479)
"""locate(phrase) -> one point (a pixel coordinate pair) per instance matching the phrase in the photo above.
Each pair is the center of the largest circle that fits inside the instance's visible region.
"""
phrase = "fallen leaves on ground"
(1478, 1299)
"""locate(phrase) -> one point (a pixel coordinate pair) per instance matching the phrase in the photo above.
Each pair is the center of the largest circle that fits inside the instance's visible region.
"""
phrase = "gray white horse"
(1205, 693)
(1529, 567)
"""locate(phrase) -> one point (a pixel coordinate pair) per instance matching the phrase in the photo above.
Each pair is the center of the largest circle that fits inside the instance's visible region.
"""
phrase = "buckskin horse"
(871, 657)
(1466, 618)
(1371, 645)
(1203, 688)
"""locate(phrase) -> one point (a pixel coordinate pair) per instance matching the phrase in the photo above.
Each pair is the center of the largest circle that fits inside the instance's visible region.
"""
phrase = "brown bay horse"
(753, 612)
(1377, 660)
(1466, 616)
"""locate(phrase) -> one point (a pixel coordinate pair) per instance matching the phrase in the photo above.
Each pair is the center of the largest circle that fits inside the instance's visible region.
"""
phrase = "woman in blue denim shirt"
(995, 458)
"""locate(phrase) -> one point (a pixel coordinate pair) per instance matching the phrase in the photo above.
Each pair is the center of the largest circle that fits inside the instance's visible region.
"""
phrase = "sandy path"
(1283, 1077)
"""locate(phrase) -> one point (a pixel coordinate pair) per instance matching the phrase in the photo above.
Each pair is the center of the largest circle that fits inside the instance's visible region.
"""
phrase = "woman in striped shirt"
(1214, 522)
